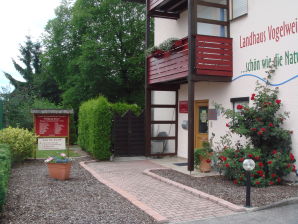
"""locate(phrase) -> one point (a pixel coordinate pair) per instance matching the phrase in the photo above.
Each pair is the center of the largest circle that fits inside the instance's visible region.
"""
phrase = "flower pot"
(205, 164)
(59, 171)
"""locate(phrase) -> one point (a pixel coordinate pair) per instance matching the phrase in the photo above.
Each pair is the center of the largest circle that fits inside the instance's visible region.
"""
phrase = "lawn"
(48, 153)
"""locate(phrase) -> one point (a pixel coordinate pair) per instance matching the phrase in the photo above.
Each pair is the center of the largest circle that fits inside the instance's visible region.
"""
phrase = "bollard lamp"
(248, 165)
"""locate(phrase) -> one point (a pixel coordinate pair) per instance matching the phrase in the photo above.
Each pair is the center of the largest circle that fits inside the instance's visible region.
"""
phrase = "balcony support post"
(192, 32)
(147, 124)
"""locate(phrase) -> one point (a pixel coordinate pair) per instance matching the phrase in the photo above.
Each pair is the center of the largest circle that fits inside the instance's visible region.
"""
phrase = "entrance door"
(201, 122)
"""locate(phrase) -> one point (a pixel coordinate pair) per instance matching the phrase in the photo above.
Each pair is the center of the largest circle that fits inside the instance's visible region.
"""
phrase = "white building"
(226, 46)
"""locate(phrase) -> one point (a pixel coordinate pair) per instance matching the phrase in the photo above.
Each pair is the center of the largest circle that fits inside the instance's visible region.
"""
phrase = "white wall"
(167, 28)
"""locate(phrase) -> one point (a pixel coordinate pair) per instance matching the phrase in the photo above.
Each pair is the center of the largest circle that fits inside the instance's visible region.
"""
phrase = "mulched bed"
(222, 188)
(34, 197)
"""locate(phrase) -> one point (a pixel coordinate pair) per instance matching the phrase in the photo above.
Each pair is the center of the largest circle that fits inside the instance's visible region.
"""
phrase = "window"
(239, 8)
(244, 101)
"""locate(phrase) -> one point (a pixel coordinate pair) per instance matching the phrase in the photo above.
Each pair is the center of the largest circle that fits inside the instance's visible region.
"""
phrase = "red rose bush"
(269, 143)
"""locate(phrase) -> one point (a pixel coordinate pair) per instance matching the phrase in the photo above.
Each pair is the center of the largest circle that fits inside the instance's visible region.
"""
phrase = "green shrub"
(95, 125)
(5, 163)
(122, 108)
(21, 141)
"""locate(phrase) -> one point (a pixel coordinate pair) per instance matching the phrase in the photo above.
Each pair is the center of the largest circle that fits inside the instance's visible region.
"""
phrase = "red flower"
(260, 133)
(260, 164)
(278, 179)
(208, 160)
(263, 129)
(235, 182)
(257, 157)
(253, 96)
(274, 151)
(289, 165)
(258, 182)
(273, 175)
(278, 101)
(294, 168)
(292, 158)
(270, 125)
(250, 155)
(227, 125)
(241, 159)
(271, 183)
(227, 165)
(253, 129)
(260, 172)
(269, 162)
(223, 158)
(239, 107)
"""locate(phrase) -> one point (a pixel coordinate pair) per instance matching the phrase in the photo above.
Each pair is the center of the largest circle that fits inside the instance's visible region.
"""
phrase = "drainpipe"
(192, 32)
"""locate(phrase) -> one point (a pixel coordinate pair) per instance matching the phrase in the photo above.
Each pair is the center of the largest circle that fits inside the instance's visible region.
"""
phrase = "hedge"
(5, 163)
(95, 125)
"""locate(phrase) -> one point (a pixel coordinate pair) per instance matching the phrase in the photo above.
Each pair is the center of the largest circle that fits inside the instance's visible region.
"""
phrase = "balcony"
(167, 8)
(214, 61)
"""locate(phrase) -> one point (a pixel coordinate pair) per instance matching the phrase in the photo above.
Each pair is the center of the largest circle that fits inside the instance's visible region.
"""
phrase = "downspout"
(192, 32)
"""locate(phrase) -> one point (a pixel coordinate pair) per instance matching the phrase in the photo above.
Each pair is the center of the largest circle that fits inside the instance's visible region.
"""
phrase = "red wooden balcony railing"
(214, 58)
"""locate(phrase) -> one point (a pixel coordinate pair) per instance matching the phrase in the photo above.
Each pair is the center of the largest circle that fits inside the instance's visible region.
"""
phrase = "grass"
(48, 153)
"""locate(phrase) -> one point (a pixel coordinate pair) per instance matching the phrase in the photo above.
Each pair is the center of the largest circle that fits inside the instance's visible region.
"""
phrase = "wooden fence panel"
(129, 135)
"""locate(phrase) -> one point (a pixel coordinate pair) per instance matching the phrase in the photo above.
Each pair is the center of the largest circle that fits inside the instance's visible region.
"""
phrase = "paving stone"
(175, 204)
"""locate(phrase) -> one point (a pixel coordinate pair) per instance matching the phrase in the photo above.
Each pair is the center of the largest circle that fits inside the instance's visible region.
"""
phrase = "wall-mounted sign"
(51, 125)
(183, 107)
(212, 114)
(51, 144)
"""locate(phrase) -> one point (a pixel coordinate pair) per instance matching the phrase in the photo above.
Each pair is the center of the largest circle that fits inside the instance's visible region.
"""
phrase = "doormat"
(180, 164)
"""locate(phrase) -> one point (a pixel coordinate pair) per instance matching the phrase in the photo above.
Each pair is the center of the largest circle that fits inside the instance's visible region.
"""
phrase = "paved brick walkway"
(175, 204)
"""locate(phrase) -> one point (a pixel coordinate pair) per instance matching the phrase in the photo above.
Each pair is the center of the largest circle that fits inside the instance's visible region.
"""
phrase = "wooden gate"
(129, 135)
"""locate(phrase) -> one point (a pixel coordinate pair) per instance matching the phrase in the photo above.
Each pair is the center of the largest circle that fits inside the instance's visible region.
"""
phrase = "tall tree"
(30, 57)
(96, 47)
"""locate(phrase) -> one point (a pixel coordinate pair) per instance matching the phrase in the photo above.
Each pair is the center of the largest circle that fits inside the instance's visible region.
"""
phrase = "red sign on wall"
(51, 125)
(183, 106)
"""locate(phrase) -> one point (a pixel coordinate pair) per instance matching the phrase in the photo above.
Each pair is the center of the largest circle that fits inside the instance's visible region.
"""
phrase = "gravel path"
(218, 186)
(34, 197)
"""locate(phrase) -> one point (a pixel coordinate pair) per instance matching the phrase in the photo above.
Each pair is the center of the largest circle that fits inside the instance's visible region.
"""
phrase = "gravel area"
(34, 197)
(222, 188)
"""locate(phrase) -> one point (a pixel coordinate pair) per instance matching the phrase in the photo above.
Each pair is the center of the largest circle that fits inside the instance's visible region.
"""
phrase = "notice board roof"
(51, 111)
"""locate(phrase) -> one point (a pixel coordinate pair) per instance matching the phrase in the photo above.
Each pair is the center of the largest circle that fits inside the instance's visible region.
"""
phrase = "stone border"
(156, 216)
(284, 202)
(196, 192)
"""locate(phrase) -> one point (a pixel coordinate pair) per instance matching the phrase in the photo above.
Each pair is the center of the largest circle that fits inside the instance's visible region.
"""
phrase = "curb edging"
(196, 192)
(155, 215)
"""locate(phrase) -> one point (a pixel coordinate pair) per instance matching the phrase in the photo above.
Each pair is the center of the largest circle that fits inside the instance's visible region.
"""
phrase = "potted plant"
(59, 166)
(203, 157)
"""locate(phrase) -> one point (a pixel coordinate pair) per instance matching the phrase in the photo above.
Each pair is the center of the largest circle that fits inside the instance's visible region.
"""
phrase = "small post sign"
(52, 128)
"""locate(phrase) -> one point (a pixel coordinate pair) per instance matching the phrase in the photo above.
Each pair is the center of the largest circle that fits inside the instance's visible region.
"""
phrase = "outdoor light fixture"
(248, 165)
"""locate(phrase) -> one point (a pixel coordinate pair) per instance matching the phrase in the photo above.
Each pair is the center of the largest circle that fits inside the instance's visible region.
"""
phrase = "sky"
(19, 18)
